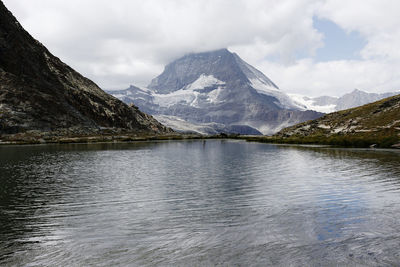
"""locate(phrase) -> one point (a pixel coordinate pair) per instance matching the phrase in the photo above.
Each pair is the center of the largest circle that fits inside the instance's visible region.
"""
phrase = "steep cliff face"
(217, 88)
(39, 92)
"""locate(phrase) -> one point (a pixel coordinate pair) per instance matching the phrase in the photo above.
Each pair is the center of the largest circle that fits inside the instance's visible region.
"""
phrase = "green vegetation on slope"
(376, 123)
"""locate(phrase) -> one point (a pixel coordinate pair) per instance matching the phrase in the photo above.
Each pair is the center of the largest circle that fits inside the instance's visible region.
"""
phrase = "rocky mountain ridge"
(329, 104)
(39, 93)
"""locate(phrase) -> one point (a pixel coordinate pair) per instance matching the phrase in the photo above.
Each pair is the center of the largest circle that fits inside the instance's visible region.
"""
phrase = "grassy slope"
(375, 123)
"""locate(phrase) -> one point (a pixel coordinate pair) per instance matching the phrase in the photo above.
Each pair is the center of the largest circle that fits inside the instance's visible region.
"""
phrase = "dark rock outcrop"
(39, 92)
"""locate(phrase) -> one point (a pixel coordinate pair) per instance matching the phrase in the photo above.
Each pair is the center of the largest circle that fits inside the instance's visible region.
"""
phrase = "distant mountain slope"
(218, 88)
(373, 121)
(358, 98)
(329, 104)
(39, 92)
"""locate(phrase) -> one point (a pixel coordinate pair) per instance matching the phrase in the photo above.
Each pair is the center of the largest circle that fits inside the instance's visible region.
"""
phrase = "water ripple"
(198, 203)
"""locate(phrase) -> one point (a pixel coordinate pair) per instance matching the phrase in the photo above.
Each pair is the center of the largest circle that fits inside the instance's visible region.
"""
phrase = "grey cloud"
(120, 42)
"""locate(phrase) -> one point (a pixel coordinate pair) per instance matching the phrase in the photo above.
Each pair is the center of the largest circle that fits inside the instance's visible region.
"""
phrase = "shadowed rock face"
(39, 92)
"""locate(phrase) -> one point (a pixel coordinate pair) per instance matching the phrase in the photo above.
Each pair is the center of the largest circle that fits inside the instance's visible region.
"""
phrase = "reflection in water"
(198, 203)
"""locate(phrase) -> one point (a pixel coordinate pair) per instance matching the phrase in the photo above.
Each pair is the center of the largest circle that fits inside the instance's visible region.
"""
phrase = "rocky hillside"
(377, 121)
(217, 89)
(38, 92)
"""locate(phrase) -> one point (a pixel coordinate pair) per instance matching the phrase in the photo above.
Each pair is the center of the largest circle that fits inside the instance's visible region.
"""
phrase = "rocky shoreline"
(54, 138)
(126, 137)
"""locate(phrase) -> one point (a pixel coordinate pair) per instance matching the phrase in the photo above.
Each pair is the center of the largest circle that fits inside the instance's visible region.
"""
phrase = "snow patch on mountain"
(190, 94)
(180, 125)
(213, 96)
(263, 88)
(328, 104)
(203, 82)
(310, 104)
(181, 96)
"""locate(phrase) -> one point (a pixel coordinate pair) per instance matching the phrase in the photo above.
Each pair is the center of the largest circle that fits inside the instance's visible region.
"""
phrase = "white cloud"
(119, 42)
(378, 70)
(334, 77)
(377, 20)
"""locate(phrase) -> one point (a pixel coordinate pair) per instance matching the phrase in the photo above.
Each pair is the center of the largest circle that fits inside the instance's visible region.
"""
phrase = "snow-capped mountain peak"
(220, 88)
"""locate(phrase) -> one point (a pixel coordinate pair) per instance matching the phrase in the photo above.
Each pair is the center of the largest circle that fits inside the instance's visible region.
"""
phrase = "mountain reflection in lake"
(211, 202)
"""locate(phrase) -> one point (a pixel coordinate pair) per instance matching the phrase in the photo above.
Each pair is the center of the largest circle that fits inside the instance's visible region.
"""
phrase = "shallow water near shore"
(203, 202)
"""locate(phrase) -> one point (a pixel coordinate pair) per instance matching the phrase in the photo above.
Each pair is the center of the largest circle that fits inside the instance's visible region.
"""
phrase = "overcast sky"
(311, 47)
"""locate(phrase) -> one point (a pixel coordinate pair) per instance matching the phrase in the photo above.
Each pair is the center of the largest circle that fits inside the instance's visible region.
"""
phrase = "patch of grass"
(382, 139)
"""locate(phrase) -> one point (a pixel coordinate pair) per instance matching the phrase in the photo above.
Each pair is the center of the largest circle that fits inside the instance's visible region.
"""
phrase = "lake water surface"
(198, 203)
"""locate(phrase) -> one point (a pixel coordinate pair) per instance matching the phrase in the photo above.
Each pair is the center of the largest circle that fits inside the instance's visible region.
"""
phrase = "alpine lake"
(198, 203)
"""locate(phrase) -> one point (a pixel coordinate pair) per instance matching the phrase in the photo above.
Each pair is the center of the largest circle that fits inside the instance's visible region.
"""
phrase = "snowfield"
(310, 104)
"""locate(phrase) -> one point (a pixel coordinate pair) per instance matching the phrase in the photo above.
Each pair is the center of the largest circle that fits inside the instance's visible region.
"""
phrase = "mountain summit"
(221, 64)
(217, 91)
(38, 92)
(218, 69)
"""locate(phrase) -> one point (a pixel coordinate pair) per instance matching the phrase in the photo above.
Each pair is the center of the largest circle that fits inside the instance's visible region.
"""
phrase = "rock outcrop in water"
(216, 91)
(38, 92)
